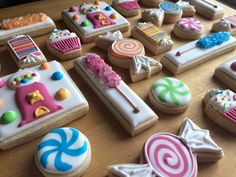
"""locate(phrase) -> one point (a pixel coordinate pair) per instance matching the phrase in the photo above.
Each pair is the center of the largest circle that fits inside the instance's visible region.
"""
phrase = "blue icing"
(57, 76)
(170, 7)
(60, 148)
(212, 40)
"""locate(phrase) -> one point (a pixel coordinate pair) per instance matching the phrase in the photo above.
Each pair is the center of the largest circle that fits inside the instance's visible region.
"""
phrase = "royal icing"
(115, 90)
(25, 51)
(127, 48)
(30, 93)
(157, 14)
(199, 140)
(171, 91)
(170, 7)
(225, 24)
(64, 40)
(62, 151)
(127, 4)
(185, 5)
(109, 36)
(190, 25)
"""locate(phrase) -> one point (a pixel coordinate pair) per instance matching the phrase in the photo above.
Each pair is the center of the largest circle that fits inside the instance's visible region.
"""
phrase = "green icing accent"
(8, 117)
(85, 23)
(17, 79)
(170, 88)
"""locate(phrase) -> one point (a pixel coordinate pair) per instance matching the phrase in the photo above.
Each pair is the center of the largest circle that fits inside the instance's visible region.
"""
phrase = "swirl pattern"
(127, 48)
(170, 7)
(169, 156)
(190, 24)
(62, 150)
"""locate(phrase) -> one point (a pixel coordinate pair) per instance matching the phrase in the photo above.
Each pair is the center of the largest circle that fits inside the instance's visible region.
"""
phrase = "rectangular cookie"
(36, 100)
(32, 24)
(25, 52)
(226, 24)
(130, 110)
(152, 37)
(90, 20)
(208, 9)
(226, 73)
(189, 55)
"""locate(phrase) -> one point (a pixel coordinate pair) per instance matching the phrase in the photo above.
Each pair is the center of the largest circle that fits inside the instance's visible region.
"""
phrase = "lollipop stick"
(178, 53)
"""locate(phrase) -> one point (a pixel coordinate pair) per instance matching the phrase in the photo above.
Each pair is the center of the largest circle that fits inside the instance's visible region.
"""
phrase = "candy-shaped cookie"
(226, 24)
(155, 16)
(63, 152)
(226, 73)
(208, 9)
(152, 37)
(188, 28)
(220, 107)
(64, 44)
(188, 9)
(25, 52)
(104, 41)
(170, 95)
(166, 154)
(130, 110)
(89, 20)
(197, 52)
(121, 52)
(128, 8)
(35, 100)
(151, 3)
(173, 12)
(35, 24)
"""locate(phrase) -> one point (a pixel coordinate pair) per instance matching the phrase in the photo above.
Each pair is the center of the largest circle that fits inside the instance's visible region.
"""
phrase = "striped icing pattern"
(66, 45)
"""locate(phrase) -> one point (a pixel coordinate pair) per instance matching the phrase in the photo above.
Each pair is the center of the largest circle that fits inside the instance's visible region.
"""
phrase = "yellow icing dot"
(113, 16)
(105, 22)
(41, 111)
(62, 94)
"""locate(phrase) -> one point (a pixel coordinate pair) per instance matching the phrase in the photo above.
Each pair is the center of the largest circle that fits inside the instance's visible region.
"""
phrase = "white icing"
(120, 1)
(118, 101)
(207, 6)
(143, 62)
(131, 170)
(8, 95)
(167, 84)
(224, 25)
(75, 161)
(58, 35)
(157, 14)
(90, 30)
(109, 36)
(195, 54)
(226, 68)
(32, 58)
(185, 5)
(198, 139)
(26, 29)
(165, 42)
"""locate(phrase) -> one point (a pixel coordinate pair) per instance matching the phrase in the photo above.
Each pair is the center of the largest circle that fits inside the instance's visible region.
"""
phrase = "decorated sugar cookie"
(220, 107)
(128, 8)
(155, 40)
(173, 12)
(166, 154)
(188, 28)
(25, 52)
(170, 95)
(65, 152)
(156, 16)
(188, 9)
(36, 99)
(226, 24)
(64, 44)
(89, 20)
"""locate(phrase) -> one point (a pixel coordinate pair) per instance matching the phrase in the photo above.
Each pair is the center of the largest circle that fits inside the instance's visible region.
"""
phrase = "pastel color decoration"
(57, 76)
(99, 19)
(8, 117)
(190, 24)
(170, 7)
(128, 4)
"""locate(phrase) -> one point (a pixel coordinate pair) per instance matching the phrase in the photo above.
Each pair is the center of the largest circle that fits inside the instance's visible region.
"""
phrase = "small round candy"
(44, 66)
(233, 66)
(97, 2)
(62, 94)
(108, 8)
(1, 102)
(85, 23)
(114, 16)
(8, 117)
(73, 9)
(76, 17)
(17, 79)
(57, 76)
(24, 81)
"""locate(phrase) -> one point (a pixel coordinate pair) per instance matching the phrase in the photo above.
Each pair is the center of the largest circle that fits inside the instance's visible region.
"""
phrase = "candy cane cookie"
(130, 110)
(63, 152)
(188, 28)
(170, 155)
(121, 52)
(170, 95)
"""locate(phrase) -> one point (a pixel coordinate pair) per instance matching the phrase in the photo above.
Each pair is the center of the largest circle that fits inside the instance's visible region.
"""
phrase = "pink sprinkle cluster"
(105, 73)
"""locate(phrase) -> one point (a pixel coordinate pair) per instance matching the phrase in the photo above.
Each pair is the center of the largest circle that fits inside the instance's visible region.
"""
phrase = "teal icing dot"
(57, 76)
(108, 8)
(8, 117)
(24, 81)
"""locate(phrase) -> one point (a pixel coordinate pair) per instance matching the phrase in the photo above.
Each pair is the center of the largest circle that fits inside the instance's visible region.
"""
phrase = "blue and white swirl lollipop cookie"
(64, 152)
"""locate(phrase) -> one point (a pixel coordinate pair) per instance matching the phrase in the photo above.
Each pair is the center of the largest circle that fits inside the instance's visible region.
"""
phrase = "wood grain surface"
(110, 142)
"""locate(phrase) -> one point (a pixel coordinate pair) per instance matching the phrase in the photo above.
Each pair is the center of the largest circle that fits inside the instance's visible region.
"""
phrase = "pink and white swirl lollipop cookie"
(169, 155)
(63, 152)
(128, 8)
(220, 106)
(64, 44)
(170, 95)
(188, 28)
(226, 24)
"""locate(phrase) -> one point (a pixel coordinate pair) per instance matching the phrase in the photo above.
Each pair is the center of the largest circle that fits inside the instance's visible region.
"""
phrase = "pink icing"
(105, 73)
(233, 66)
(129, 5)
(66, 45)
(232, 20)
(190, 24)
(98, 23)
(2, 83)
(231, 114)
(26, 109)
(169, 156)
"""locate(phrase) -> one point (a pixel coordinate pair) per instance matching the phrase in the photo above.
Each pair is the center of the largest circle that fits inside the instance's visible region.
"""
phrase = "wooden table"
(110, 142)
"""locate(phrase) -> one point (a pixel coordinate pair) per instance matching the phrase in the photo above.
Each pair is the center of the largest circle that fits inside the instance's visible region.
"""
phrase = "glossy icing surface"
(157, 14)
(170, 7)
(127, 4)
(109, 36)
(190, 25)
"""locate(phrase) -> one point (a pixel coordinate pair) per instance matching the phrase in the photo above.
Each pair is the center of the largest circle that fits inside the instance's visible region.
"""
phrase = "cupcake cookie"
(170, 95)
(127, 8)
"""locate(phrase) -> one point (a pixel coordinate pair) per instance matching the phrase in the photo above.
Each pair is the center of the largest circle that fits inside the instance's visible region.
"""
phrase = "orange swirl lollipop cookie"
(121, 52)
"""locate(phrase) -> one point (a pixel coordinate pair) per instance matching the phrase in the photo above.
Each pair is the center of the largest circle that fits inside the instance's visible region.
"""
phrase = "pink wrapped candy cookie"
(128, 8)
